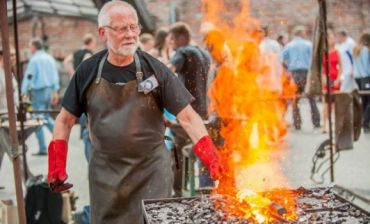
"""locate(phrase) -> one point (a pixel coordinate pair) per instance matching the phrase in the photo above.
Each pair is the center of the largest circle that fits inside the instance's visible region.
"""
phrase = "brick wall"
(64, 34)
(281, 15)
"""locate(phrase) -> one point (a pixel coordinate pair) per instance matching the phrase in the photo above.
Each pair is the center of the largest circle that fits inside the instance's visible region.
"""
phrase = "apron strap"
(139, 73)
(100, 68)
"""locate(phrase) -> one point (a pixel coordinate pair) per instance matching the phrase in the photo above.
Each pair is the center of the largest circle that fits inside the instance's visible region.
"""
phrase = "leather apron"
(129, 161)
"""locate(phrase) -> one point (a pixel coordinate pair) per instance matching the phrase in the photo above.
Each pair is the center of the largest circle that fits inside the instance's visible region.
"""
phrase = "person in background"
(41, 83)
(271, 53)
(124, 90)
(296, 57)
(191, 64)
(272, 80)
(282, 39)
(346, 41)
(162, 50)
(5, 144)
(80, 55)
(268, 44)
(85, 51)
(3, 102)
(345, 48)
(334, 77)
(146, 42)
(361, 71)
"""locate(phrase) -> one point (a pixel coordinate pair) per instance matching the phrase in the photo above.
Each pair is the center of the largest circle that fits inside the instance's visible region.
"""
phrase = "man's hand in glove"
(57, 175)
(208, 154)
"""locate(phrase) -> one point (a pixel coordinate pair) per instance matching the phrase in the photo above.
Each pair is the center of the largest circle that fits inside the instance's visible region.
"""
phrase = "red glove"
(208, 154)
(57, 152)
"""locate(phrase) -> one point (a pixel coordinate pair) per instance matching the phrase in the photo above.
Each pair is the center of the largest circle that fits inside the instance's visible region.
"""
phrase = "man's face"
(92, 45)
(331, 39)
(304, 34)
(176, 41)
(32, 49)
(122, 32)
(148, 45)
(341, 38)
(12, 56)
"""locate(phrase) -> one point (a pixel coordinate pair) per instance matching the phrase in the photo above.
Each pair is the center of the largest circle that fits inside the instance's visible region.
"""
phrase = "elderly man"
(123, 91)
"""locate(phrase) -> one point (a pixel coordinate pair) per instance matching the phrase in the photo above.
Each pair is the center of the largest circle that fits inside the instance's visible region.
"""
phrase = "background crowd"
(289, 56)
(349, 70)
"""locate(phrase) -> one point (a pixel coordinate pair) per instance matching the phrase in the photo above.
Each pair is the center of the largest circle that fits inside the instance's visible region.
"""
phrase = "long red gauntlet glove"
(57, 175)
(208, 154)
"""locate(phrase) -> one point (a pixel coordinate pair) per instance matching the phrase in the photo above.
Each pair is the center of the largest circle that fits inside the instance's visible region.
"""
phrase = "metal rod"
(328, 93)
(38, 112)
(11, 111)
(21, 111)
(44, 111)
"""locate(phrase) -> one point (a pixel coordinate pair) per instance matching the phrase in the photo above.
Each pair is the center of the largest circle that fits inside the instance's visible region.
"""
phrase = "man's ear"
(102, 34)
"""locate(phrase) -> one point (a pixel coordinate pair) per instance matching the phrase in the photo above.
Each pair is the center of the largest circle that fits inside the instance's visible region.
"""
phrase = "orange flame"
(244, 96)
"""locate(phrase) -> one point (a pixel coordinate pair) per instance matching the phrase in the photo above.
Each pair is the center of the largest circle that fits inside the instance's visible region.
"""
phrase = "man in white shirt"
(345, 47)
(268, 44)
(271, 51)
(347, 41)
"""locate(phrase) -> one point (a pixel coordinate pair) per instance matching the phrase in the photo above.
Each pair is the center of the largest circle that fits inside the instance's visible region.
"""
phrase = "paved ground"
(351, 170)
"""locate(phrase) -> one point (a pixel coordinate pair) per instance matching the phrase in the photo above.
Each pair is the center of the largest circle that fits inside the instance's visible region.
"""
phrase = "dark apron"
(129, 161)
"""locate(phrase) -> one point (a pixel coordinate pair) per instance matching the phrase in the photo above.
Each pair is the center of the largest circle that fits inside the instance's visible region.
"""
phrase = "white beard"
(124, 50)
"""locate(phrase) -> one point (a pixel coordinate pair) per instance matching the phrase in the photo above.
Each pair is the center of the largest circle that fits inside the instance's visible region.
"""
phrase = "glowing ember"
(245, 98)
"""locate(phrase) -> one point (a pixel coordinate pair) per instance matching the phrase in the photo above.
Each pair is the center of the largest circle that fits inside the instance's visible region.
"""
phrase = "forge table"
(29, 126)
(5, 143)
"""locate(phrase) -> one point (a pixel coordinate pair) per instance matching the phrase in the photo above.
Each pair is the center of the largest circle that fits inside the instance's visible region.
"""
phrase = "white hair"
(103, 17)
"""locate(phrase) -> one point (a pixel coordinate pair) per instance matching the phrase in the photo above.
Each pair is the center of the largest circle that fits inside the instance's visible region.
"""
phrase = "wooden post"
(21, 109)
(323, 7)
(11, 112)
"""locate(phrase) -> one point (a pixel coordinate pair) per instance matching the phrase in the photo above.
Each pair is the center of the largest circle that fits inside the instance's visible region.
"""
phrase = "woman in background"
(161, 50)
(334, 77)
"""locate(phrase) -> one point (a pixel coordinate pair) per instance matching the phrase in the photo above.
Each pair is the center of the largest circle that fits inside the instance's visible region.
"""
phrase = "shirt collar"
(298, 38)
(39, 52)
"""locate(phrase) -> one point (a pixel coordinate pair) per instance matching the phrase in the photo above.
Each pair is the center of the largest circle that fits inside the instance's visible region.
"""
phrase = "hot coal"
(318, 205)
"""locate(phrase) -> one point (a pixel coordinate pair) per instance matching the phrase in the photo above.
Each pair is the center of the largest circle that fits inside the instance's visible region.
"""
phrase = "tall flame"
(245, 97)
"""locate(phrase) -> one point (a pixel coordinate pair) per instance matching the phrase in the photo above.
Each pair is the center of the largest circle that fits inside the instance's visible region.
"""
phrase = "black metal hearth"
(316, 205)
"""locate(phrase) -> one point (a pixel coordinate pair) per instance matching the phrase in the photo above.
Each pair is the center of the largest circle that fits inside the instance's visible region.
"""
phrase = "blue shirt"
(361, 64)
(41, 73)
(296, 55)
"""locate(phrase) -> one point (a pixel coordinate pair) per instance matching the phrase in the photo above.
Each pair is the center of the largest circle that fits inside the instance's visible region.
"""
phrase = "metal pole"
(21, 111)
(328, 93)
(11, 112)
